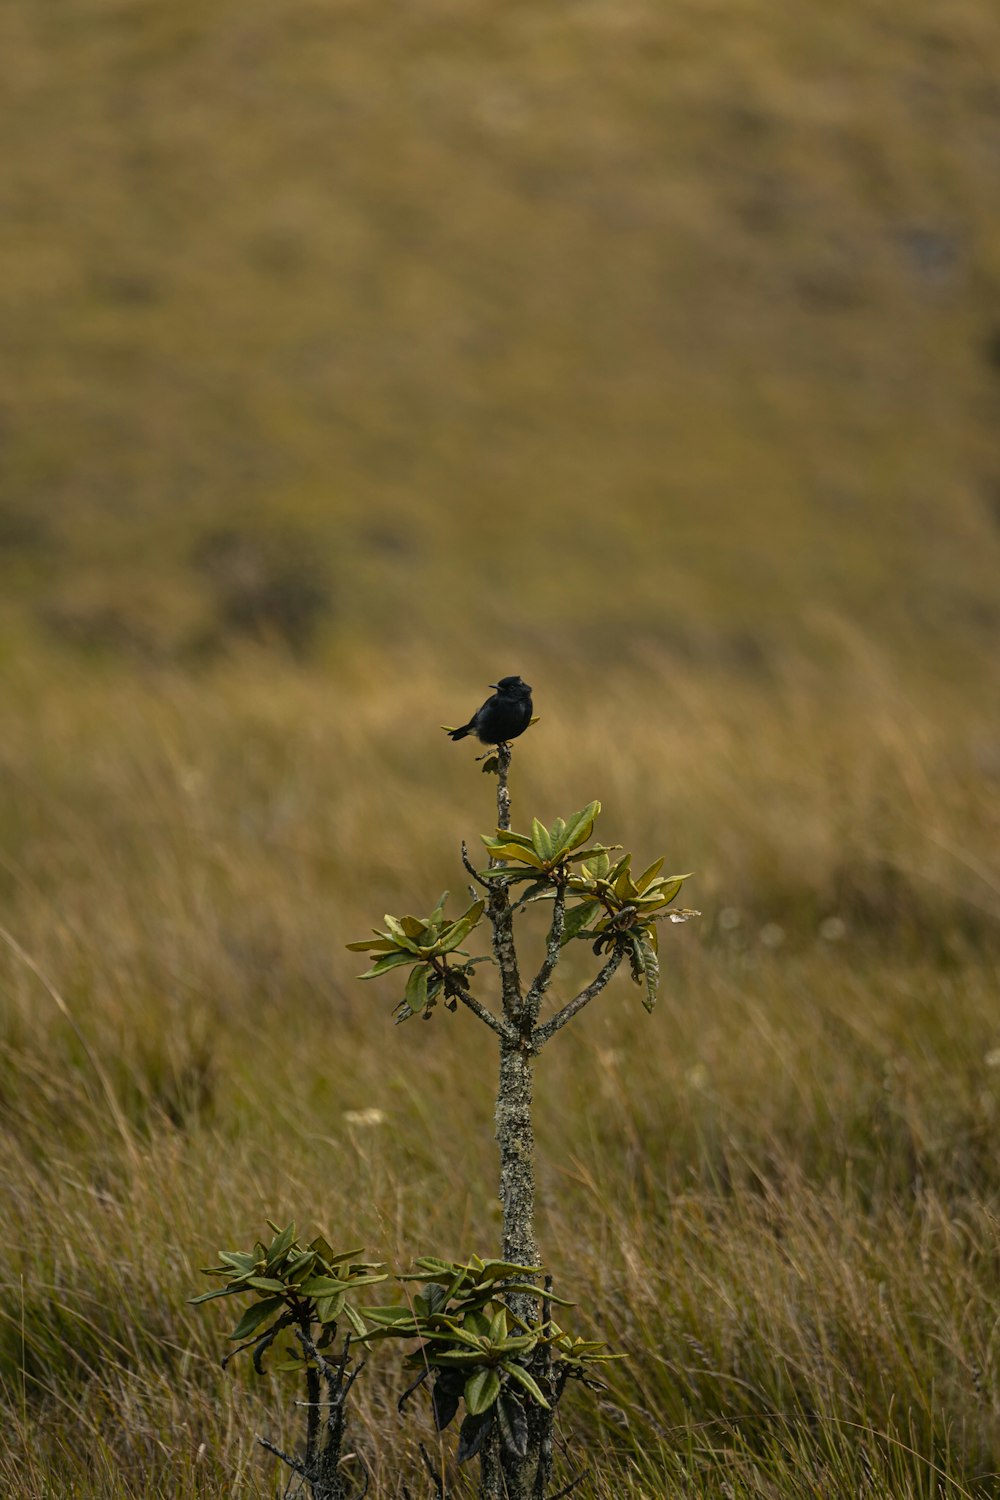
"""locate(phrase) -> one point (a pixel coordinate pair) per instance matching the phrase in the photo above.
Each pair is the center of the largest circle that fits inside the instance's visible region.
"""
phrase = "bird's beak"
(495, 685)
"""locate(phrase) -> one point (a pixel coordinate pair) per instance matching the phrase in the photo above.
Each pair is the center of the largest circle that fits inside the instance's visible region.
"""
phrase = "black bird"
(502, 717)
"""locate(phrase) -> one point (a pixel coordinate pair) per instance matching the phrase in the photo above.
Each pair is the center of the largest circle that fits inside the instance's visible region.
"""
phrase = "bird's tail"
(459, 734)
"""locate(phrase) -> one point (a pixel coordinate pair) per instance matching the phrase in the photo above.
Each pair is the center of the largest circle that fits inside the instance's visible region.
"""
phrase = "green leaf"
(668, 891)
(513, 1425)
(481, 1390)
(416, 996)
(355, 1319)
(385, 1317)
(506, 836)
(255, 1316)
(372, 945)
(387, 962)
(519, 854)
(238, 1259)
(651, 969)
(580, 826)
(583, 854)
(329, 1309)
(398, 932)
(446, 1357)
(494, 1270)
(322, 1286)
(519, 1373)
(219, 1291)
(452, 936)
(643, 880)
(510, 873)
(498, 1327)
(280, 1246)
(598, 864)
(522, 1343)
(536, 891)
(438, 1270)
(300, 1266)
(265, 1284)
(345, 1255)
(455, 1335)
(579, 917)
(540, 840)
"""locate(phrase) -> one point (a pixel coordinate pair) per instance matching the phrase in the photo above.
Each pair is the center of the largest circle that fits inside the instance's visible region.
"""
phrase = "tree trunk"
(516, 1140)
(503, 1476)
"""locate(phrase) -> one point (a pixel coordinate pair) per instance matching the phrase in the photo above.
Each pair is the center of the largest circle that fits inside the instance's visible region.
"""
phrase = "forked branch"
(548, 1029)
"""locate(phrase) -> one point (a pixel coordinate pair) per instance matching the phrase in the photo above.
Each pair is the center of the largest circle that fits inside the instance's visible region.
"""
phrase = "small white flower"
(833, 929)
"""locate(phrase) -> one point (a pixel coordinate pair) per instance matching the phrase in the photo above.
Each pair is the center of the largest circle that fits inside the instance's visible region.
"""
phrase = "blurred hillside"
(603, 324)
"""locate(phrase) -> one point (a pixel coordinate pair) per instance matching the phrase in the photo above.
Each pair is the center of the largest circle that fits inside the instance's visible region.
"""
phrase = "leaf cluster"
(291, 1284)
(600, 900)
(546, 854)
(613, 908)
(620, 910)
(476, 1352)
(425, 945)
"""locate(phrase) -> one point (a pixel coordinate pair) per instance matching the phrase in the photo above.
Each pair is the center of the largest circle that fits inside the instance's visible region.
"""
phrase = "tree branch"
(436, 1478)
(504, 1032)
(467, 862)
(545, 1032)
(553, 947)
(498, 907)
(293, 1463)
(454, 990)
(312, 1389)
(503, 794)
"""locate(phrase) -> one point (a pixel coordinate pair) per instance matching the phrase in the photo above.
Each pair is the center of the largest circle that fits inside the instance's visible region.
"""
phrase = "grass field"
(358, 359)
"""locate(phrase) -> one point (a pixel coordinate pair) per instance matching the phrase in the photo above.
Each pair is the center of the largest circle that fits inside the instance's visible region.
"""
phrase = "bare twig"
(548, 1029)
(553, 946)
(436, 1479)
(455, 990)
(293, 1463)
(467, 862)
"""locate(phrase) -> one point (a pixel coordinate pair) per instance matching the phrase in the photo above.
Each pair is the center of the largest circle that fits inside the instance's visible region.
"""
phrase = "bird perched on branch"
(502, 717)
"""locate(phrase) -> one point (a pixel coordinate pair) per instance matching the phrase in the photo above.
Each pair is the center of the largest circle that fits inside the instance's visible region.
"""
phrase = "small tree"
(484, 1329)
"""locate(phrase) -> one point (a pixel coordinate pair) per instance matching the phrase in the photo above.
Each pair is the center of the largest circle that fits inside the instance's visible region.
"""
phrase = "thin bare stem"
(548, 1029)
(293, 1463)
(467, 862)
(498, 907)
(436, 1478)
(552, 950)
(504, 1032)
(456, 988)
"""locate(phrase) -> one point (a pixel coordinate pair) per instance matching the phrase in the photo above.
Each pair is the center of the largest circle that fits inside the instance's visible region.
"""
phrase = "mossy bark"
(503, 1476)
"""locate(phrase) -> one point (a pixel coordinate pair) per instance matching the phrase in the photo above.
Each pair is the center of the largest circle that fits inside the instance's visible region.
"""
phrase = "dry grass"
(779, 1194)
(652, 352)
